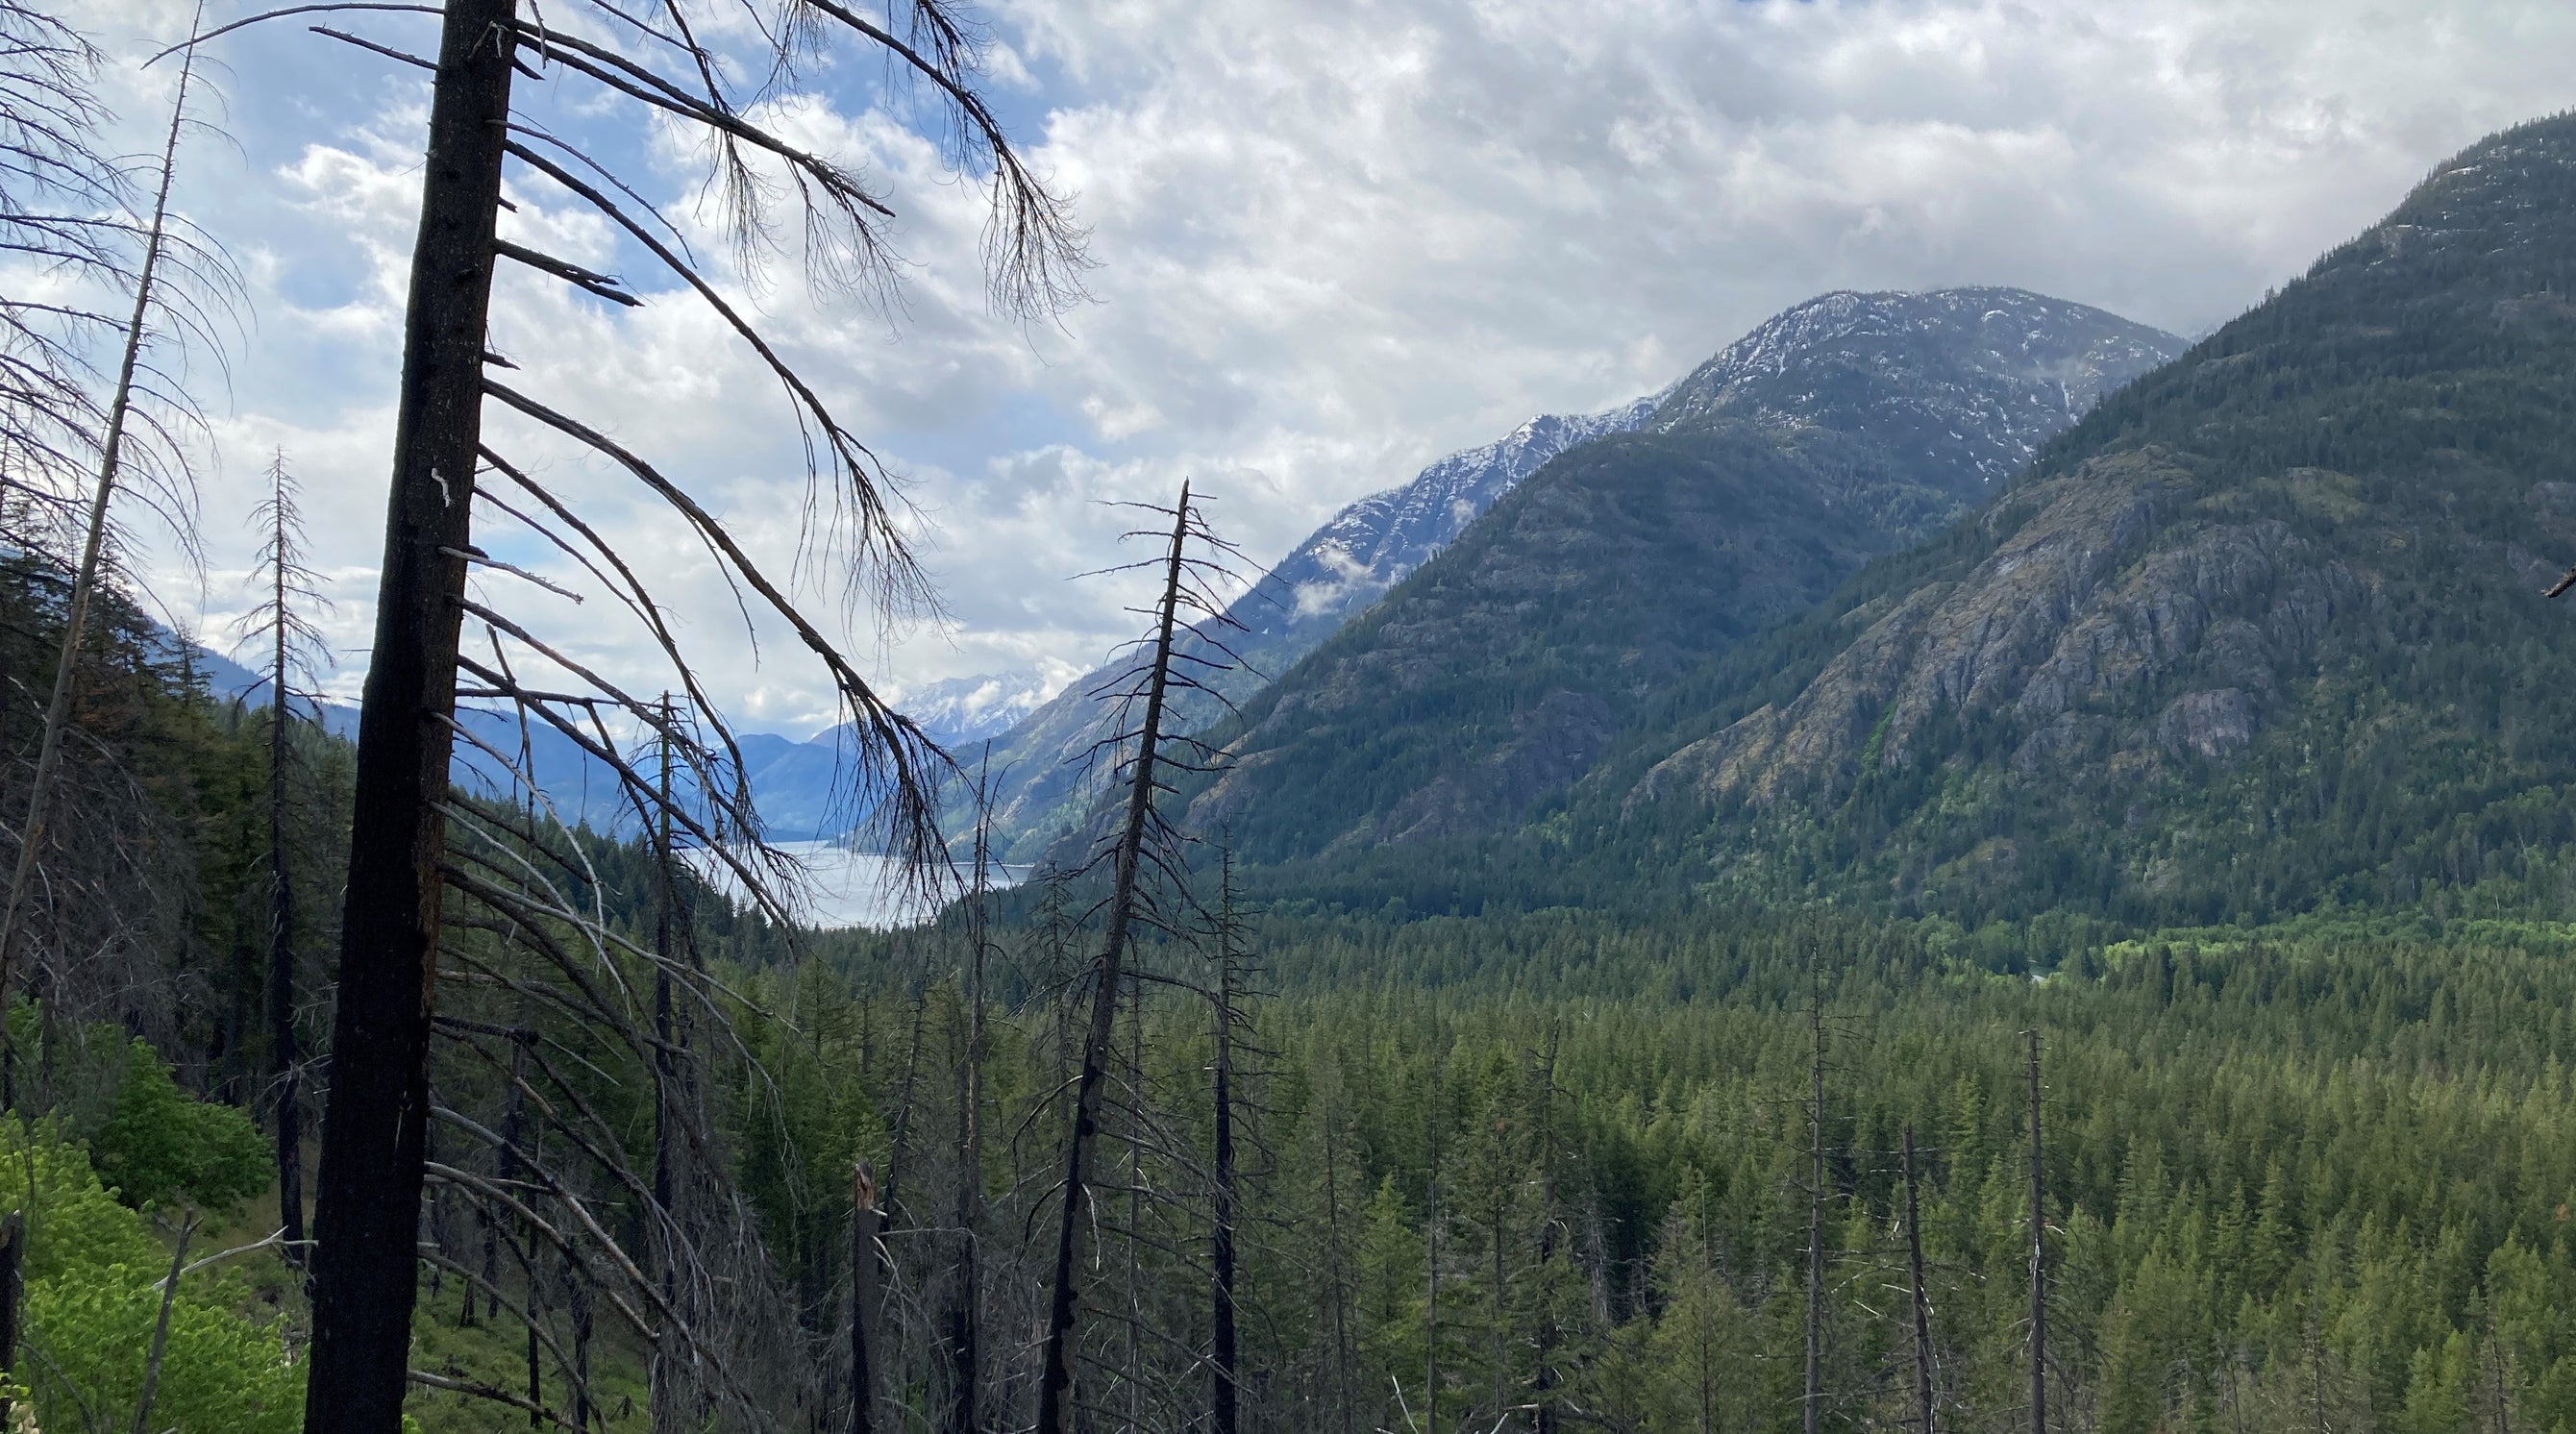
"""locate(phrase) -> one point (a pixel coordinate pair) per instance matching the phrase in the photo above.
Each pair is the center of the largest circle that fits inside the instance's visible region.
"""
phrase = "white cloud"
(1336, 239)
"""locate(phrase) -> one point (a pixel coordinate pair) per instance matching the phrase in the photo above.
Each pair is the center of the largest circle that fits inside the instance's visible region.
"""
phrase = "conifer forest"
(1968, 865)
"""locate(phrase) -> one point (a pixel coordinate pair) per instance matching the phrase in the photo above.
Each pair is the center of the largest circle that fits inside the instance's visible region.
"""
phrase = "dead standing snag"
(405, 868)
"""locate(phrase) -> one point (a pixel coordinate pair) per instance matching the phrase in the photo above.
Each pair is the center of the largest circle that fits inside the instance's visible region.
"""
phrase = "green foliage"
(158, 1144)
(93, 1275)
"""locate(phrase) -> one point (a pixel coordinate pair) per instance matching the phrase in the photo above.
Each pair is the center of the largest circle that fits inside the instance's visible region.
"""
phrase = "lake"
(844, 887)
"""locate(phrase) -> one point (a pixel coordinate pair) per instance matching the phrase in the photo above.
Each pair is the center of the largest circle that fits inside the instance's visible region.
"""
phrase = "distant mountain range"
(962, 711)
(798, 786)
(2263, 633)
(1972, 604)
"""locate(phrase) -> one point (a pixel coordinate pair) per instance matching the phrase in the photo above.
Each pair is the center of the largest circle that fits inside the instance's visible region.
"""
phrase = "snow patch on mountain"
(1983, 376)
(1374, 543)
(970, 709)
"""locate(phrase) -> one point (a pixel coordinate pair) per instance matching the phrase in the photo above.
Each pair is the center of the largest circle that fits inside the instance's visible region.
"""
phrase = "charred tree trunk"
(1922, 1301)
(964, 1334)
(865, 1221)
(1055, 1380)
(661, 1393)
(2038, 1260)
(367, 1208)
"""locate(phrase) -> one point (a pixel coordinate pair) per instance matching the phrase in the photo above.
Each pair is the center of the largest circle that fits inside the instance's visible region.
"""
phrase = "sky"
(1330, 241)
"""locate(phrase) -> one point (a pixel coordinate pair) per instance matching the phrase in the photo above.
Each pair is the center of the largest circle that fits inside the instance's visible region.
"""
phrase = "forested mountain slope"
(1848, 426)
(2264, 631)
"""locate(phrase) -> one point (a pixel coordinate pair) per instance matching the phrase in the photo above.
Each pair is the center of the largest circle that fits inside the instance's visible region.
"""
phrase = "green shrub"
(157, 1143)
(93, 1272)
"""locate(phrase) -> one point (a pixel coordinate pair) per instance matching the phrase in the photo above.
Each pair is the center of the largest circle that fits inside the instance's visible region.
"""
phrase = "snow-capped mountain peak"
(1982, 375)
(1374, 543)
(959, 710)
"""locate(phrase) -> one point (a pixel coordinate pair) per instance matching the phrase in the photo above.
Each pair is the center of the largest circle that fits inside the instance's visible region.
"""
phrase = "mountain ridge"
(1502, 671)
(2262, 634)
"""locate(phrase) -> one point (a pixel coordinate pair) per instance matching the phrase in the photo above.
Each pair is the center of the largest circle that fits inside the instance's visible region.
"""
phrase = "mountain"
(1377, 542)
(1499, 673)
(797, 786)
(2264, 634)
(961, 711)
(1041, 776)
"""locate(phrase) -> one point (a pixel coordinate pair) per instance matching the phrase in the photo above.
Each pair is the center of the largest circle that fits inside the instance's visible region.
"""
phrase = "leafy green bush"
(157, 1143)
(93, 1271)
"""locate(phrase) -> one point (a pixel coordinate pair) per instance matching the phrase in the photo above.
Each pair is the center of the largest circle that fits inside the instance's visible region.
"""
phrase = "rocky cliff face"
(1504, 670)
(2120, 581)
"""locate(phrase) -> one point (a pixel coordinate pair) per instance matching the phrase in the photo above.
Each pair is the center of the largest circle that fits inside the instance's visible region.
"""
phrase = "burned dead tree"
(1148, 891)
(1225, 1367)
(295, 649)
(46, 410)
(500, 903)
(367, 1207)
(963, 1320)
(866, 1349)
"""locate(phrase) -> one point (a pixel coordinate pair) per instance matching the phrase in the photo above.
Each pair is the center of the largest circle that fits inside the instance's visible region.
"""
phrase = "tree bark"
(1055, 1380)
(367, 1206)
